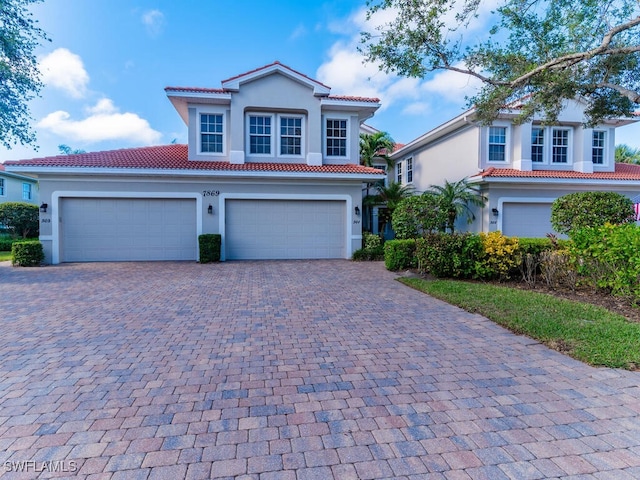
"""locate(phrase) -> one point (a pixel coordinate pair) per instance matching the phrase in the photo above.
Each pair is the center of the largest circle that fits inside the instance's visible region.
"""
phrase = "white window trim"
(545, 138)
(302, 136)
(3, 189)
(29, 189)
(211, 111)
(399, 173)
(247, 139)
(409, 161)
(569, 146)
(507, 143)
(605, 148)
(324, 135)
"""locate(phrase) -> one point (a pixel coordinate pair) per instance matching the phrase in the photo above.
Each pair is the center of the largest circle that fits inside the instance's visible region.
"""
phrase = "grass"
(5, 256)
(585, 332)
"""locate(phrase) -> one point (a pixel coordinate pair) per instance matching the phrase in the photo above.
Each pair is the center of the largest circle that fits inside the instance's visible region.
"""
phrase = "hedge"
(210, 244)
(27, 253)
(400, 254)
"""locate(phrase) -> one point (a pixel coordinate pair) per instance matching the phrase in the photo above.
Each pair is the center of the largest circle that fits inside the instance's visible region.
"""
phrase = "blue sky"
(108, 62)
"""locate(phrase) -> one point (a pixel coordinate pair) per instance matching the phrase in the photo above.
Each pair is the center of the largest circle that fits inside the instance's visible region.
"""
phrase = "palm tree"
(626, 154)
(390, 197)
(376, 145)
(455, 199)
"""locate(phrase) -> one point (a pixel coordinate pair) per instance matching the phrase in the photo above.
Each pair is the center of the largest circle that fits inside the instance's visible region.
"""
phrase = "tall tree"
(544, 50)
(67, 150)
(376, 145)
(390, 197)
(626, 154)
(19, 75)
(455, 200)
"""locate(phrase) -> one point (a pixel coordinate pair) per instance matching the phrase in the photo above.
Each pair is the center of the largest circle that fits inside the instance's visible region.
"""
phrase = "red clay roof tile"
(623, 171)
(174, 157)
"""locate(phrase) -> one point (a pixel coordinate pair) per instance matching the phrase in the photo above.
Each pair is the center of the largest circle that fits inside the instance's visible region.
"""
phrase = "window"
(259, 135)
(1, 187)
(336, 138)
(290, 135)
(409, 170)
(597, 150)
(26, 191)
(497, 144)
(399, 172)
(211, 133)
(537, 144)
(560, 146)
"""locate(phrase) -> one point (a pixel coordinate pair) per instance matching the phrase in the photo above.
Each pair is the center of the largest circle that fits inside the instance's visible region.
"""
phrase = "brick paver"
(288, 370)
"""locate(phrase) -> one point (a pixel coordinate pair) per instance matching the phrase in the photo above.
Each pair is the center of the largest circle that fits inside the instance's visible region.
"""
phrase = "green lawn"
(586, 332)
(4, 256)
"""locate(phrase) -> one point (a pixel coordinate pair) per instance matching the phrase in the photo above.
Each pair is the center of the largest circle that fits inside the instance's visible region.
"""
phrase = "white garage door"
(127, 229)
(526, 219)
(284, 229)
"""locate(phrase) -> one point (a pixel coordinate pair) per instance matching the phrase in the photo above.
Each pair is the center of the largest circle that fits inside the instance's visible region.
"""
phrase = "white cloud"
(104, 123)
(298, 32)
(64, 70)
(453, 86)
(153, 20)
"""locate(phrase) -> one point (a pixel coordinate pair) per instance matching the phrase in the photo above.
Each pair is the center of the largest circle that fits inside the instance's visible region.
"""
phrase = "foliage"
(608, 256)
(21, 218)
(558, 269)
(27, 253)
(400, 254)
(446, 255)
(19, 77)
(391, 197)
(67, 150)
(210, 247)
(373, 249)
(376, 145)
(590, 209)
(417, 215)
(627, 154)
(546, 51)
(454, 200)
(7, 240)
(586, 332)
(500, 256)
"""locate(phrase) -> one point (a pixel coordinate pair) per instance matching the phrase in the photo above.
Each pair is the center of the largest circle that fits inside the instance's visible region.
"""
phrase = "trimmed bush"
(21, 218)
(500, 256)
(417, 215)
(210, 244)
(27, 253)
(608, 257)
(590, 209)
(373, 249)
(534, 246)
(449, 255)
(5, 244)
(400, 254)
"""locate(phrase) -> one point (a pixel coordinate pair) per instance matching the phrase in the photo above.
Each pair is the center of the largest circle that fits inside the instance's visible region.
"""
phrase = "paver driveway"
(288, 370)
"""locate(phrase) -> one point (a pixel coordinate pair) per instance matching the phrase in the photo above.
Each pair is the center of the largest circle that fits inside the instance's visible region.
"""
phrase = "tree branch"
(630, 94)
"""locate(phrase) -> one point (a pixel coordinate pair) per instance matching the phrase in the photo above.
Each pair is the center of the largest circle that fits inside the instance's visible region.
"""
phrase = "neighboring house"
(272, 164)
(521, 169)
(17, 188)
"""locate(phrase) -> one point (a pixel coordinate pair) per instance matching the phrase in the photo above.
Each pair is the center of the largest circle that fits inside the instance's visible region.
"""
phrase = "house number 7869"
(210, 193)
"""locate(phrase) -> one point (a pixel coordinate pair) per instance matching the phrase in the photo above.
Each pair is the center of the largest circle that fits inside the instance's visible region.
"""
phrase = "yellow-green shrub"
(500, 258)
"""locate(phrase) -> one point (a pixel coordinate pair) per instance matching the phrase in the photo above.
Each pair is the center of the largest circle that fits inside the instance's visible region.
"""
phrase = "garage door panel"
(526, 219)
(280, 229)
(128, 229)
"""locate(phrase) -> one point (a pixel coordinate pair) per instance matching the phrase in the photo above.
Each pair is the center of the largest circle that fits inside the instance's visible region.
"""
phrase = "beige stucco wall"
(13, 189)
(199, 188)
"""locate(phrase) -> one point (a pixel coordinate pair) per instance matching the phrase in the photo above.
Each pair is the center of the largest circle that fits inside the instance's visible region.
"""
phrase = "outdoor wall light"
(495, 212)
(357, 211)
(210, 210)
(43, 208)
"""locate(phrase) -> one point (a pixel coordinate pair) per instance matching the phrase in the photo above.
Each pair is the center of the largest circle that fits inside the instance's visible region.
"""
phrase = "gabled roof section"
(623, 172)
(170, 159)
(233, 83)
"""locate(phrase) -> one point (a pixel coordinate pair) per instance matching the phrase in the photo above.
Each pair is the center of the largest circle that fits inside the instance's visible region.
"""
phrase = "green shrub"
(27, 253)
(449, 255)
(210, 247)
(500, 256)
(5, 244)
(417, 215)
(21, 218)
(608, 257)
(400, 254)
(373, 249)
(534, 246)
(590, 209)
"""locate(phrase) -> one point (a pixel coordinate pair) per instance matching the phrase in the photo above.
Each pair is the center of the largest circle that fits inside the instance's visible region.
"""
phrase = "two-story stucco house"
(271, 164)
(520, 168)
(17, 188)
